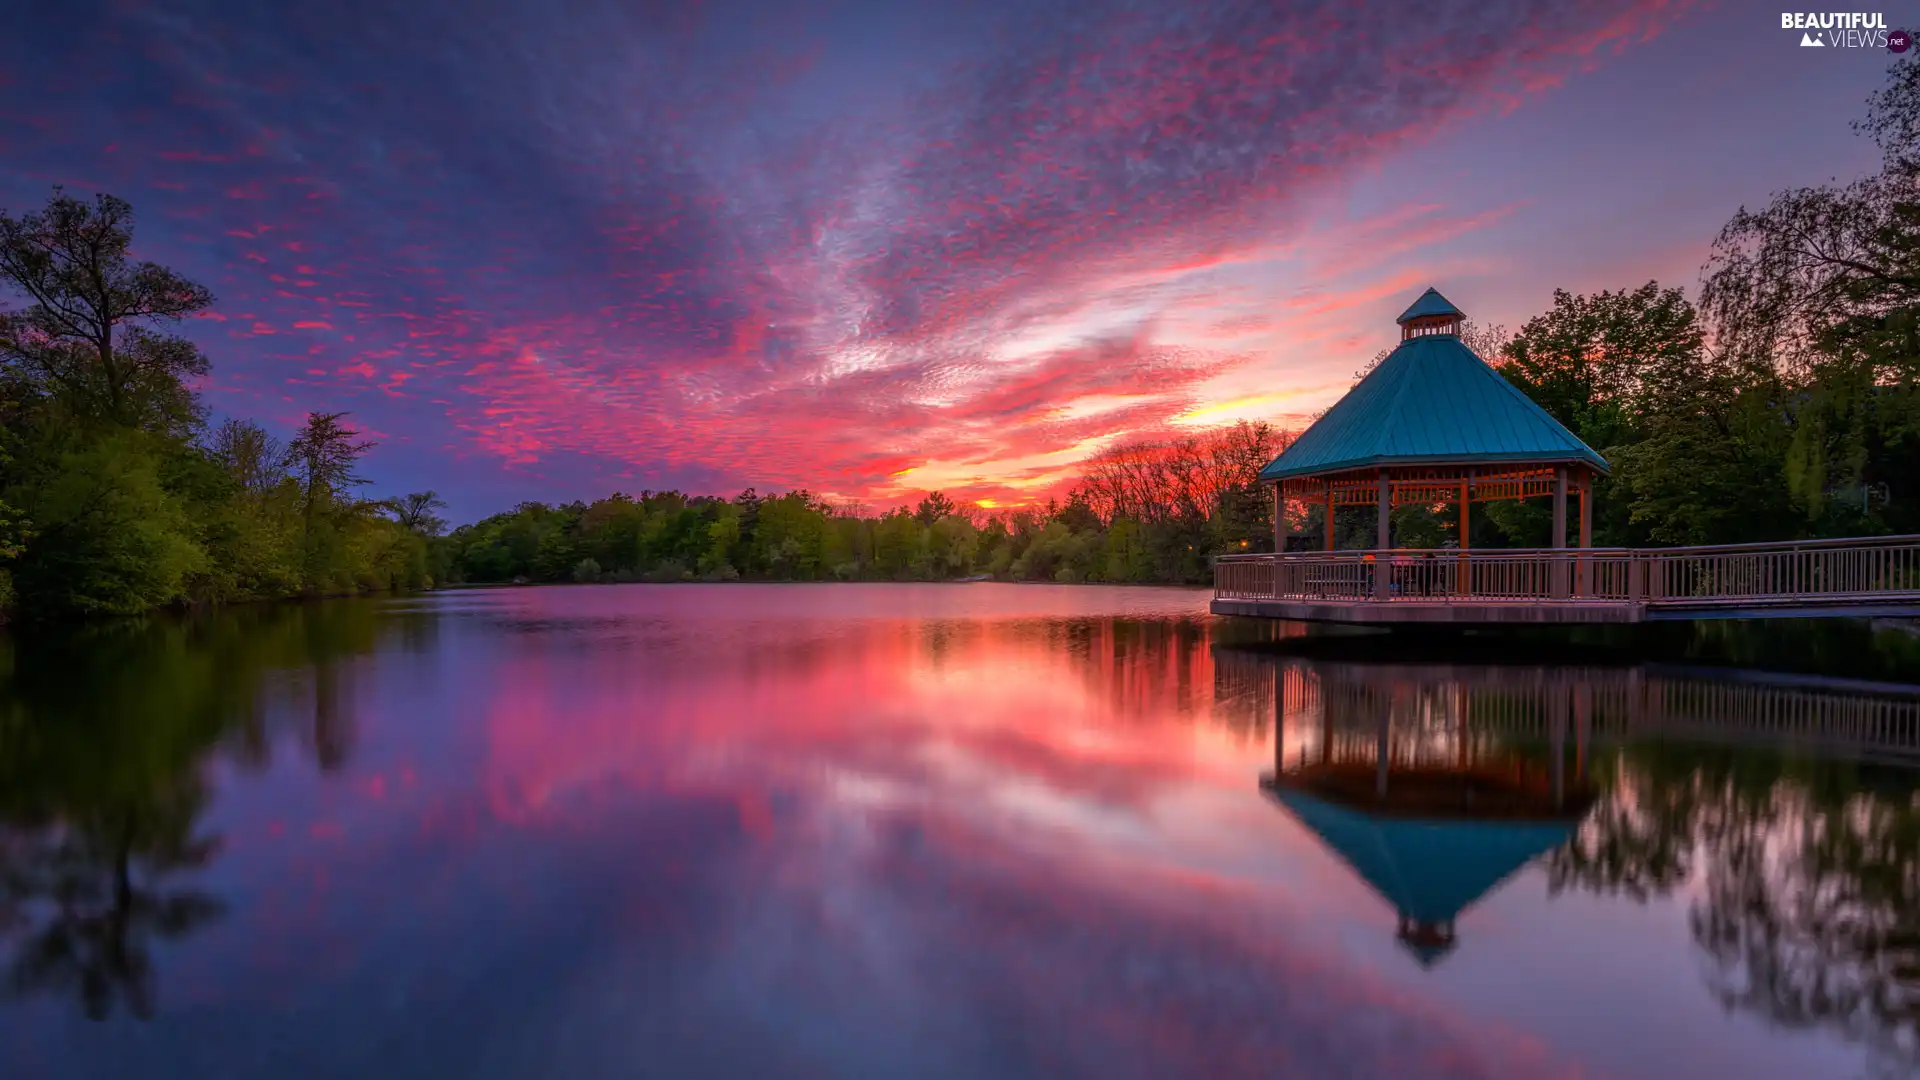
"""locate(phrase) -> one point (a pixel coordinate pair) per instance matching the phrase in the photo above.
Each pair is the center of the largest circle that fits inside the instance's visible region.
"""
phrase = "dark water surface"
(937, 831)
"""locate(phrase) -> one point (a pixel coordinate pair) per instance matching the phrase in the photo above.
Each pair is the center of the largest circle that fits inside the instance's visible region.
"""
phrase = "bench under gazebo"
(1431, 425)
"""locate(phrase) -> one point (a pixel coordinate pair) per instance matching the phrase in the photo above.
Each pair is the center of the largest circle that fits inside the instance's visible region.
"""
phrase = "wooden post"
(1466, 513)
(1329, 516)
(1279, 520)
(1586, 510)
(1559, 532)
(1560, 507)
(1586, 532)
(1382, 562)
(1465, 586)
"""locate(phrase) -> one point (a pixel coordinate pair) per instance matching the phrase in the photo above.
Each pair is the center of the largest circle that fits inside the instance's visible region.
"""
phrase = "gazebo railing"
(1744, 574)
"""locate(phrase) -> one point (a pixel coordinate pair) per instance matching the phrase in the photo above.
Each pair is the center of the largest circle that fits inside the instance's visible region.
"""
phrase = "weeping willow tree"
(1820, 291)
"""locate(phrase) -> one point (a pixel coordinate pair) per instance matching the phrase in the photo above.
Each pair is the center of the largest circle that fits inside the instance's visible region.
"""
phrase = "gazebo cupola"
(1432, 423)
(1431, 314)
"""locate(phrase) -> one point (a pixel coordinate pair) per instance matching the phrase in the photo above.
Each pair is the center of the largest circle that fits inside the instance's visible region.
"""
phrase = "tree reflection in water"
(106, 741)
(1805, 864)
(1809, 875)
(103, 882)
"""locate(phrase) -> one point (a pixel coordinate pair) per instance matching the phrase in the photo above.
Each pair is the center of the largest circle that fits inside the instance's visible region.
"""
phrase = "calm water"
(933, 831)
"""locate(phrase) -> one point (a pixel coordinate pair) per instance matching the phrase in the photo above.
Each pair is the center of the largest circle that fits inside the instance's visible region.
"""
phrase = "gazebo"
(1432, 424)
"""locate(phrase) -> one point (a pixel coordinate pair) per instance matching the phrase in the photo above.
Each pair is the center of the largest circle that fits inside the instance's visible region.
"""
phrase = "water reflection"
(107, 742)
(941, 832)
(1430, 811)
(1792, 809)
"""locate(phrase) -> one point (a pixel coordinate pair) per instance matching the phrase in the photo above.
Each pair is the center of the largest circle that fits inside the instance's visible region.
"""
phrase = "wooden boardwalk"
(1872, 576)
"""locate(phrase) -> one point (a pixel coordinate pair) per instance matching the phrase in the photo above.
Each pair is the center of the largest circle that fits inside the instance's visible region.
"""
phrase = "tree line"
(116, 496)
(1783, 404)
(1149, 511)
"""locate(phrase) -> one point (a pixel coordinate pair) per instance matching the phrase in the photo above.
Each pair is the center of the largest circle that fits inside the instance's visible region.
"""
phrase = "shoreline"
(802, 581)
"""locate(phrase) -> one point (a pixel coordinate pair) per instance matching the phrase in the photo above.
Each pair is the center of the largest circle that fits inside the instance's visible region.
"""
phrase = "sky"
(551, 250)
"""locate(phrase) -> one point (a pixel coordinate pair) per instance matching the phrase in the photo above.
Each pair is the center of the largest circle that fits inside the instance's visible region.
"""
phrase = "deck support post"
(1560, 532)
(1382, 562)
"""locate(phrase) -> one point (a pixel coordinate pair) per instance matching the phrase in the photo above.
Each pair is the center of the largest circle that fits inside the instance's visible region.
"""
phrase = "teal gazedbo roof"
(1430, 303)
(1429, 870)
(1431, 401)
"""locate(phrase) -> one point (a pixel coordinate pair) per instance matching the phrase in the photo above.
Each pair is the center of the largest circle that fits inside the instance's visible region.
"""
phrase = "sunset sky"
(551, 250)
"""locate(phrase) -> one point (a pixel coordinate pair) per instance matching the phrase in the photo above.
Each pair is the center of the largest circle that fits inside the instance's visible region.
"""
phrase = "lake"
(947, 831)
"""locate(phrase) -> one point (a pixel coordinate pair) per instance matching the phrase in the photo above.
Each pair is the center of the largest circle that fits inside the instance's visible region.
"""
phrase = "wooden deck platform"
(1865, 577)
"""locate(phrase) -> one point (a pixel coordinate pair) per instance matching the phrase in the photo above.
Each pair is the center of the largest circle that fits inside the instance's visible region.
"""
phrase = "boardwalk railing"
(1735, 575)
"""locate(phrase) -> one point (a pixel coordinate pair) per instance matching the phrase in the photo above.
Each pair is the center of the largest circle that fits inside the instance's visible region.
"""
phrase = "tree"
(789, 535)
(932, 508)
(255, 459)
(1628, 372)
(111, 541)
(415, 512)
(323, 457)
(1817, 297)
(1824, 268)
(724, 537)
(89, 338)
(899, 546)
(1186, 479)
(1602, 361)
(952, 544)
(132, 503)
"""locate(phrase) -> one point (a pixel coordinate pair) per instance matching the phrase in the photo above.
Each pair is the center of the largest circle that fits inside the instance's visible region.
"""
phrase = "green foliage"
(111, 500)
(111, 539)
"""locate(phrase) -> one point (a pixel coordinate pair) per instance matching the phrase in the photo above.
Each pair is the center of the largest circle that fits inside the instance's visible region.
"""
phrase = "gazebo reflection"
(1430, 813)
